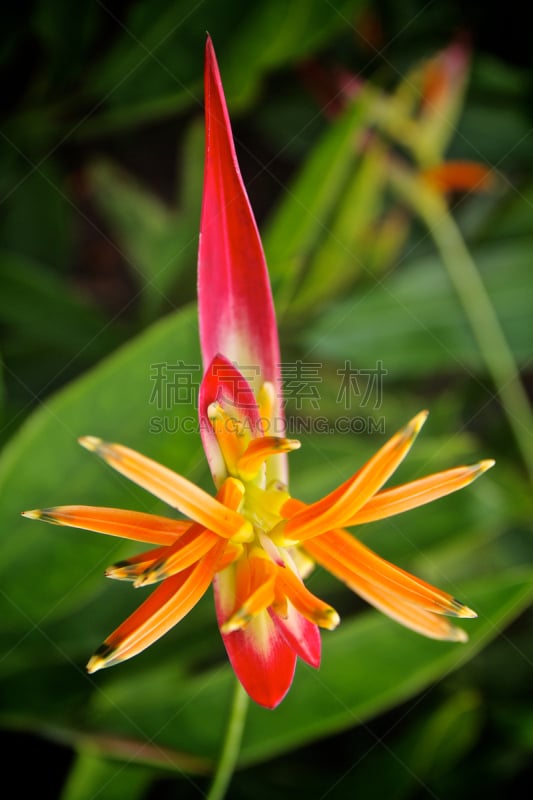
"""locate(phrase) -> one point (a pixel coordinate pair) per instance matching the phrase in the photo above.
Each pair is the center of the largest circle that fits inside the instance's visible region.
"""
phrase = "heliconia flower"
(253, 541)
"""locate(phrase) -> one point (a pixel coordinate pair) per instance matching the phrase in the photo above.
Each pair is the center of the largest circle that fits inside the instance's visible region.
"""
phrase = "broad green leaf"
(413, 323)
(48, 334)
(132, 397)
(511, 217)
(34, 299)
(278, 33)
(421, 751)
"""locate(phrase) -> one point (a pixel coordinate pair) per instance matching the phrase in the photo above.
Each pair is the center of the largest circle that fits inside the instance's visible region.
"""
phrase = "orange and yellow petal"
(304, 601)
(342, 504)
(403, 596)
(140, 527)
(129, 569)
(165, 607)
(172, 488)
(192, 546)
(402, 498)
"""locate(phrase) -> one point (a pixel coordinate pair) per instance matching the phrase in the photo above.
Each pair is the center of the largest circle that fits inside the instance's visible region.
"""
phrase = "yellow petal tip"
(91, 443)
(458, 635)
(94, 664)
(459, 609)
(44, 514)
(101, 658)
(293, 444)
(330, 620)
(417, 422)
(484, 465)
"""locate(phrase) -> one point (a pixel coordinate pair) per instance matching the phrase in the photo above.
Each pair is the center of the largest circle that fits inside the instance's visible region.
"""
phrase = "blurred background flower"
(375, 139)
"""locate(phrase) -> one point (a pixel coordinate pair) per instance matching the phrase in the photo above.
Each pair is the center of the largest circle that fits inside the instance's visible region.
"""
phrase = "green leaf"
(123, 399)
(413, 323)
(56, 604)
(425, 748)
(495, 124)
(92, 776)
(279, 33)
(49, 334)
(65, 44)
(33, 299)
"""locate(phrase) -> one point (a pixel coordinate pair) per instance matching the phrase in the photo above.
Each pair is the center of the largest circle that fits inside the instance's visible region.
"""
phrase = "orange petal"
(192, 546)
(251, 571)
(231, 493)
(417, 493)
(165, 607)
(231, 433)
(231, 553)
(172, 488)
(393, 603)
(135, 525)
(259, 600)
(312, 607)
(251, 461)
(342, 504)
(351, 561)
(414, 617)
(129, 569)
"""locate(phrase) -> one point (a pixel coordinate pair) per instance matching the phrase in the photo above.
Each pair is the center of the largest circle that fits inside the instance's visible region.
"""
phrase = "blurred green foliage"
(101, 168)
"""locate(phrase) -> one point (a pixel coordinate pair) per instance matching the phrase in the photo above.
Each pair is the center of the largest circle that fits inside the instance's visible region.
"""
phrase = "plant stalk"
(231, 747)
(432, 208)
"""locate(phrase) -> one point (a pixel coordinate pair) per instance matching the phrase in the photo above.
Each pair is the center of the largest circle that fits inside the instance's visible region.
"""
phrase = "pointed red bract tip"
(236, 311)
(235, 301)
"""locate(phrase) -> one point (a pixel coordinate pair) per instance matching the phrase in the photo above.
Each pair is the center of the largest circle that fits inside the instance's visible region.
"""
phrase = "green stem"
(231, 746)
(478, 308)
